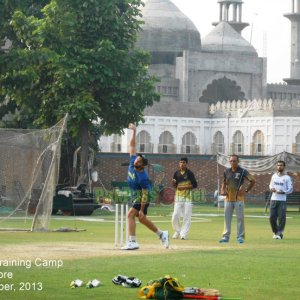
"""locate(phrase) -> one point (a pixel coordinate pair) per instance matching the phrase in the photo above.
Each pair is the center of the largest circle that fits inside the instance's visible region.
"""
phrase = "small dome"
(223, 38)
(167, 29)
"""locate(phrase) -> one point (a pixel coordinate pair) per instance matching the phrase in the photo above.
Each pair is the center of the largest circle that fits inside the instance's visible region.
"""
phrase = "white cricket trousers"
(182, 209)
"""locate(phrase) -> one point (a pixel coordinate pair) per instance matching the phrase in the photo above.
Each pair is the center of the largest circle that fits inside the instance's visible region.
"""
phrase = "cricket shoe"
(175, 235)
(93, 283)
(164, 238)
(224, 240)
(76, 283)
(131, 245)
(240, 240)
(132, 282)
(118, 280)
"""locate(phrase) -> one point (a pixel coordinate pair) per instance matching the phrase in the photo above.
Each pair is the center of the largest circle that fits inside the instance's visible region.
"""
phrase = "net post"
(116, 223)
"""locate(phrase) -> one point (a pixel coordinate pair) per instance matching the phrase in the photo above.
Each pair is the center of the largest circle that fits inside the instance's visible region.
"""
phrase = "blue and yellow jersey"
(138, 182)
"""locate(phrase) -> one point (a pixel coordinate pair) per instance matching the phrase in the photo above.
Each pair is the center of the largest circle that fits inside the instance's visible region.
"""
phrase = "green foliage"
(76, 57)
(9, 7)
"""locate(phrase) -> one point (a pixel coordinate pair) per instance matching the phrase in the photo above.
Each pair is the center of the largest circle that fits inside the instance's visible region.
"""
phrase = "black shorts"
(137, 206)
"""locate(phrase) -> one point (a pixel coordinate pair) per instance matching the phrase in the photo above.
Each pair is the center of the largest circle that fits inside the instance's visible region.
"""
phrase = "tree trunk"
(84, 153)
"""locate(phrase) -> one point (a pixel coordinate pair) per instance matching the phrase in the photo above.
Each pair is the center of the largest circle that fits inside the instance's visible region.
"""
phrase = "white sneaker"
(175, 235)
(164, 237)
(131, 245)
(277, 237)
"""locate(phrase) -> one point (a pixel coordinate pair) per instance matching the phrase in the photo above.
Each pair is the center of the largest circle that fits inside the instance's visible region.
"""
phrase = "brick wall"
(109, 167)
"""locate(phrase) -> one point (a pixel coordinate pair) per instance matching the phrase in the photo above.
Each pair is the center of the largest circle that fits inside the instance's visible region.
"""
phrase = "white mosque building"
(214, 94)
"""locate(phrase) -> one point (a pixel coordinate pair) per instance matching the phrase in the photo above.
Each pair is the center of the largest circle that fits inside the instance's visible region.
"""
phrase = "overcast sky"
(270, 29)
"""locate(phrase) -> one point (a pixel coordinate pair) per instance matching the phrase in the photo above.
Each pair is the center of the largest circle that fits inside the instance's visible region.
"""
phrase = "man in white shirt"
(281, 185)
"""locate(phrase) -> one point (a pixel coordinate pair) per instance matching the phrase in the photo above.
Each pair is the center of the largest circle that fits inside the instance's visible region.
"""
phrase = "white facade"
(240, 132)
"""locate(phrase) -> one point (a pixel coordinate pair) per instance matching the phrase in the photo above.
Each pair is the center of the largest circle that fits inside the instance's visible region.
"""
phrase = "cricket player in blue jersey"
(140, 187)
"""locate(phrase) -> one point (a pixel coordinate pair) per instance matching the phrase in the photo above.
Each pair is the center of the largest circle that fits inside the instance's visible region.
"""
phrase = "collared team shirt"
(138, 182)
(234, 180)
(184, 179)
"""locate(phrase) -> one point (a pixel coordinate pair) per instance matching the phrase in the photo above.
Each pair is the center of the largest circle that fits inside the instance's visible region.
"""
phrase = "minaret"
(294, 17)
(231, 12)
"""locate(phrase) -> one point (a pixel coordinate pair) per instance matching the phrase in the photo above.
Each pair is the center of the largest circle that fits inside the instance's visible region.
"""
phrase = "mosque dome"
(167, 29)
(223, 38)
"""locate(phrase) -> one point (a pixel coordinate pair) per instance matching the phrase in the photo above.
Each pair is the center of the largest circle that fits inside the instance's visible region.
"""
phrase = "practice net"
(29, 170)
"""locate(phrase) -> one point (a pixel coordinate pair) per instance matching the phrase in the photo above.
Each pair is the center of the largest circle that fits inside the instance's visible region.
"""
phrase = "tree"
(77, 57)
(7, 9)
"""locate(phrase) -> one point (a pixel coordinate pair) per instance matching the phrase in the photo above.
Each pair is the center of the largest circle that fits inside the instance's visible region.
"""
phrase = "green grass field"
(262, 268)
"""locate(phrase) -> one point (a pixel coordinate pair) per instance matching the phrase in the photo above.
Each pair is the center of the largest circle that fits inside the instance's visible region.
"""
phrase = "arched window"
(238, 143)
(218, 143)
(258, 143)
(297, 150)
(116, 145)
(143, 142)
(166, 143)
(189, 143)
